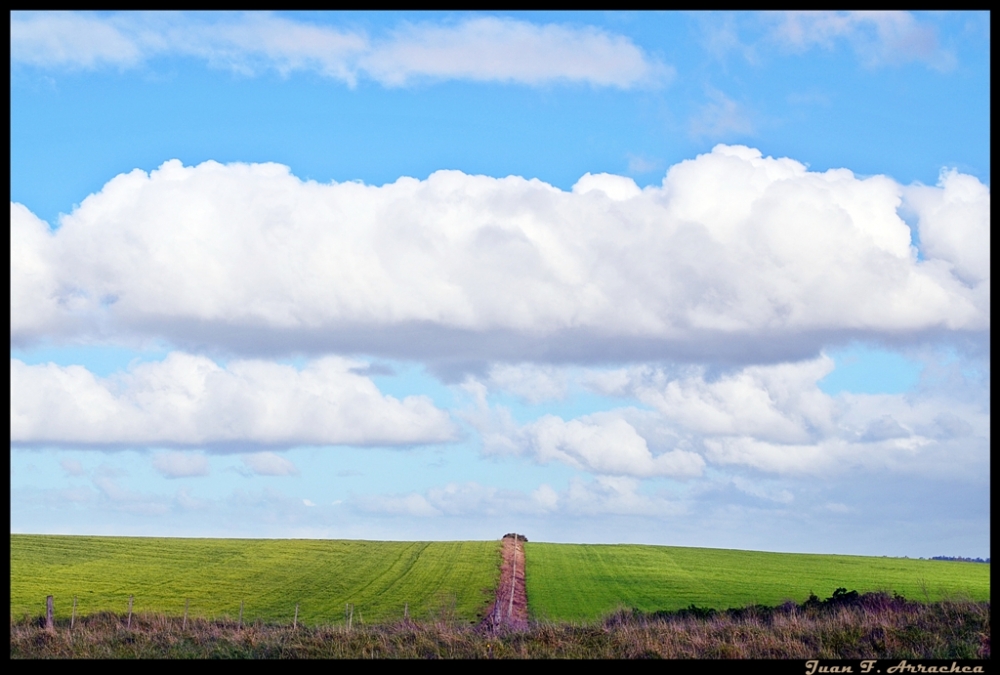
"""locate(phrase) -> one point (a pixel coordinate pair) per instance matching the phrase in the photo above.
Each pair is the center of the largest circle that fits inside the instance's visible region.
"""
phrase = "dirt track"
(505, 613)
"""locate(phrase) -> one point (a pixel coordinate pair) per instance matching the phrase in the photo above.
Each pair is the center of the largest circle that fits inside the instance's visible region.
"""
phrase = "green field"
(575, 582)
(452, 580)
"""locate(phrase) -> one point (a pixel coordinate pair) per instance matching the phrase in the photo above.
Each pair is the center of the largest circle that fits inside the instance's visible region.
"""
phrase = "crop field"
(571, 582)
(438, 580)
(453, 580)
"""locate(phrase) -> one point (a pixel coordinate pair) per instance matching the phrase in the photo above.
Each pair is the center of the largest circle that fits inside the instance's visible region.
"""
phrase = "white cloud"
(37, 303)
(616, 495)
(60, 38)
(617, 188)
(492, 48)
(479, 49)
(270, 464)
(776, 419)
(190, 400)
(955, 224)
(180, 464)
(877, 37)
(603, 444)
(531, 382)
(781, 403)
(772, 418)
(735, 255)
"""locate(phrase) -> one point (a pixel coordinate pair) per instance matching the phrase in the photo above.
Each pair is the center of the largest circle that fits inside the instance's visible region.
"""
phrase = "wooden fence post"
(187, 602)
(49, 611)
(72, 619)
(129, 624)
(241, 615)
(295, 621)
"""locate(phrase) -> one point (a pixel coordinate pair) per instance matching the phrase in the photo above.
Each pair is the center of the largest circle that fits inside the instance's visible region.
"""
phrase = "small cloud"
(180, 464)
(72, 467)
(307, 502)
(269, 464)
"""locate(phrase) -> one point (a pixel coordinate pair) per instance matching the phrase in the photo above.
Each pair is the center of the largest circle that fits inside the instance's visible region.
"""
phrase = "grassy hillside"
(270, 576)
(571, 582)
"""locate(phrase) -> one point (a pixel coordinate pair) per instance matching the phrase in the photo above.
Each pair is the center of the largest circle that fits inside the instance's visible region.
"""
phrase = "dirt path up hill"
(510, 608)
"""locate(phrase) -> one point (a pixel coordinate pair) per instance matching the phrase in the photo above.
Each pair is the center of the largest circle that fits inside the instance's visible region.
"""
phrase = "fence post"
(187, 602)
(129, 624)
(295, 621)
(72, 619)
(241, 615)
(49, 611)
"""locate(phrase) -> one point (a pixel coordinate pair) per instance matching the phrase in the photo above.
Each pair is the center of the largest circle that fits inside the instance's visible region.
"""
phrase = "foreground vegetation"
(210, 578)
(845, 626)
(575, 582)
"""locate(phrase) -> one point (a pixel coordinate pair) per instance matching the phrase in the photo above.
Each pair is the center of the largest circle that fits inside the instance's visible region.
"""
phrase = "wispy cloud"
(721, 118)
(604, 495)
(270, 464)
(180, 464)
(877, 37)
(487, 49)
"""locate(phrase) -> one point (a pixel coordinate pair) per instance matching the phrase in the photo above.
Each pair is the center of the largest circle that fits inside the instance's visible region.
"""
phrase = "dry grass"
(867, 626)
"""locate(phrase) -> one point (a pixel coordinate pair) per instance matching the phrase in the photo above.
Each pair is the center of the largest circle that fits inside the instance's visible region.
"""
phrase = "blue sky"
(696, 279)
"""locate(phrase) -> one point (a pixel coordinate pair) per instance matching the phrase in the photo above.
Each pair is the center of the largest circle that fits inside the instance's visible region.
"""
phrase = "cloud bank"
(735, 256)
(189, 400)
(770, 419)
(477, 49)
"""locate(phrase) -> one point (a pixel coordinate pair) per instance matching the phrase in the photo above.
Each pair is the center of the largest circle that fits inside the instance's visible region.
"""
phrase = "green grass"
(452, 580)
(575, 582)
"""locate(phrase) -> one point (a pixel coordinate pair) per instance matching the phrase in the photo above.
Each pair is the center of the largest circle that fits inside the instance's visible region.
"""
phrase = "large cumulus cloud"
(735, 256)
